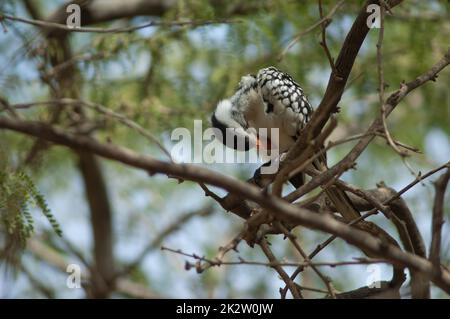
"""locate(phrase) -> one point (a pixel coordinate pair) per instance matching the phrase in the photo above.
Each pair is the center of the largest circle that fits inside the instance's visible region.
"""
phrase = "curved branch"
(279, 207)
(438, 218)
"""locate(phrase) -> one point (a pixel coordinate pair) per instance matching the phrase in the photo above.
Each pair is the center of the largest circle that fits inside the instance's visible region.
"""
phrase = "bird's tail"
(337, 196)
(344, 206)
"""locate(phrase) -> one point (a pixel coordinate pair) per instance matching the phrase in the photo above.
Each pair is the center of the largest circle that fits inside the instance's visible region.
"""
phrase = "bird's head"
(229, 116)
(234, 132)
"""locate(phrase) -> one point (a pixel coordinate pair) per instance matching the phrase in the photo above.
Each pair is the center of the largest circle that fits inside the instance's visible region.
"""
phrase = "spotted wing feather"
(285, 98)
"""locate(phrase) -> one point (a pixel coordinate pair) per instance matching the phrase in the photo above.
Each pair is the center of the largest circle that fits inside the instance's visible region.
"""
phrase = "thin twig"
(297, 246)
(106, 111)
(418, 179)
(323, 43)
(438, 219)
(242, 261)
(299, 35)
(284, 276)
(373, 211)
(223, 250)
(324, 244)
(393, 100)
(381, 85)
(53, 25)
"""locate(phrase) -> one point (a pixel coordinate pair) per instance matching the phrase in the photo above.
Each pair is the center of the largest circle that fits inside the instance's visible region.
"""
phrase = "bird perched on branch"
(271, 99)
(267, 111)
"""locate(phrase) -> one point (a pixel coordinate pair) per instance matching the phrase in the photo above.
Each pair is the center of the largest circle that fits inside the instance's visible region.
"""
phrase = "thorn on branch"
(337, 109)
(2, 22)
(198, 267)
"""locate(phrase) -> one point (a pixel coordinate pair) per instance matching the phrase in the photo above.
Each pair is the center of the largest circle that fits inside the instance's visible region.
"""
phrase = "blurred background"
(165, 77)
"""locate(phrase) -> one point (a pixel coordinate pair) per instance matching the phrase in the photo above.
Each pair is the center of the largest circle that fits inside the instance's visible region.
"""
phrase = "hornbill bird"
(271, 99)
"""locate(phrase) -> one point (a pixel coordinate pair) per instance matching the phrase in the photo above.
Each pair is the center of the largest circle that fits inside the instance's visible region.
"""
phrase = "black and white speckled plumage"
(278, 88)
(269, 99)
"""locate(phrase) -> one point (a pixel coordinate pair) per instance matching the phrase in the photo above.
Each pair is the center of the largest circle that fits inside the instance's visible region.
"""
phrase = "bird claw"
(262, 180)
(257, 227)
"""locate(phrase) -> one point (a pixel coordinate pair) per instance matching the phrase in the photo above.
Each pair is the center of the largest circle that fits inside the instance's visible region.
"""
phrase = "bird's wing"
(284, 98)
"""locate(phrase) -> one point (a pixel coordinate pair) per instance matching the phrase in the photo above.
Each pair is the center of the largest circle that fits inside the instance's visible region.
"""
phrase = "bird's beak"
(258, 143)
(263, 145)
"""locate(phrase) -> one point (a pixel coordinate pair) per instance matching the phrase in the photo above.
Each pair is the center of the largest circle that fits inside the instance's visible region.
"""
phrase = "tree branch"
(393, 100)
(58, 26)
(438, 219)
(101, 220)
(280, 208)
